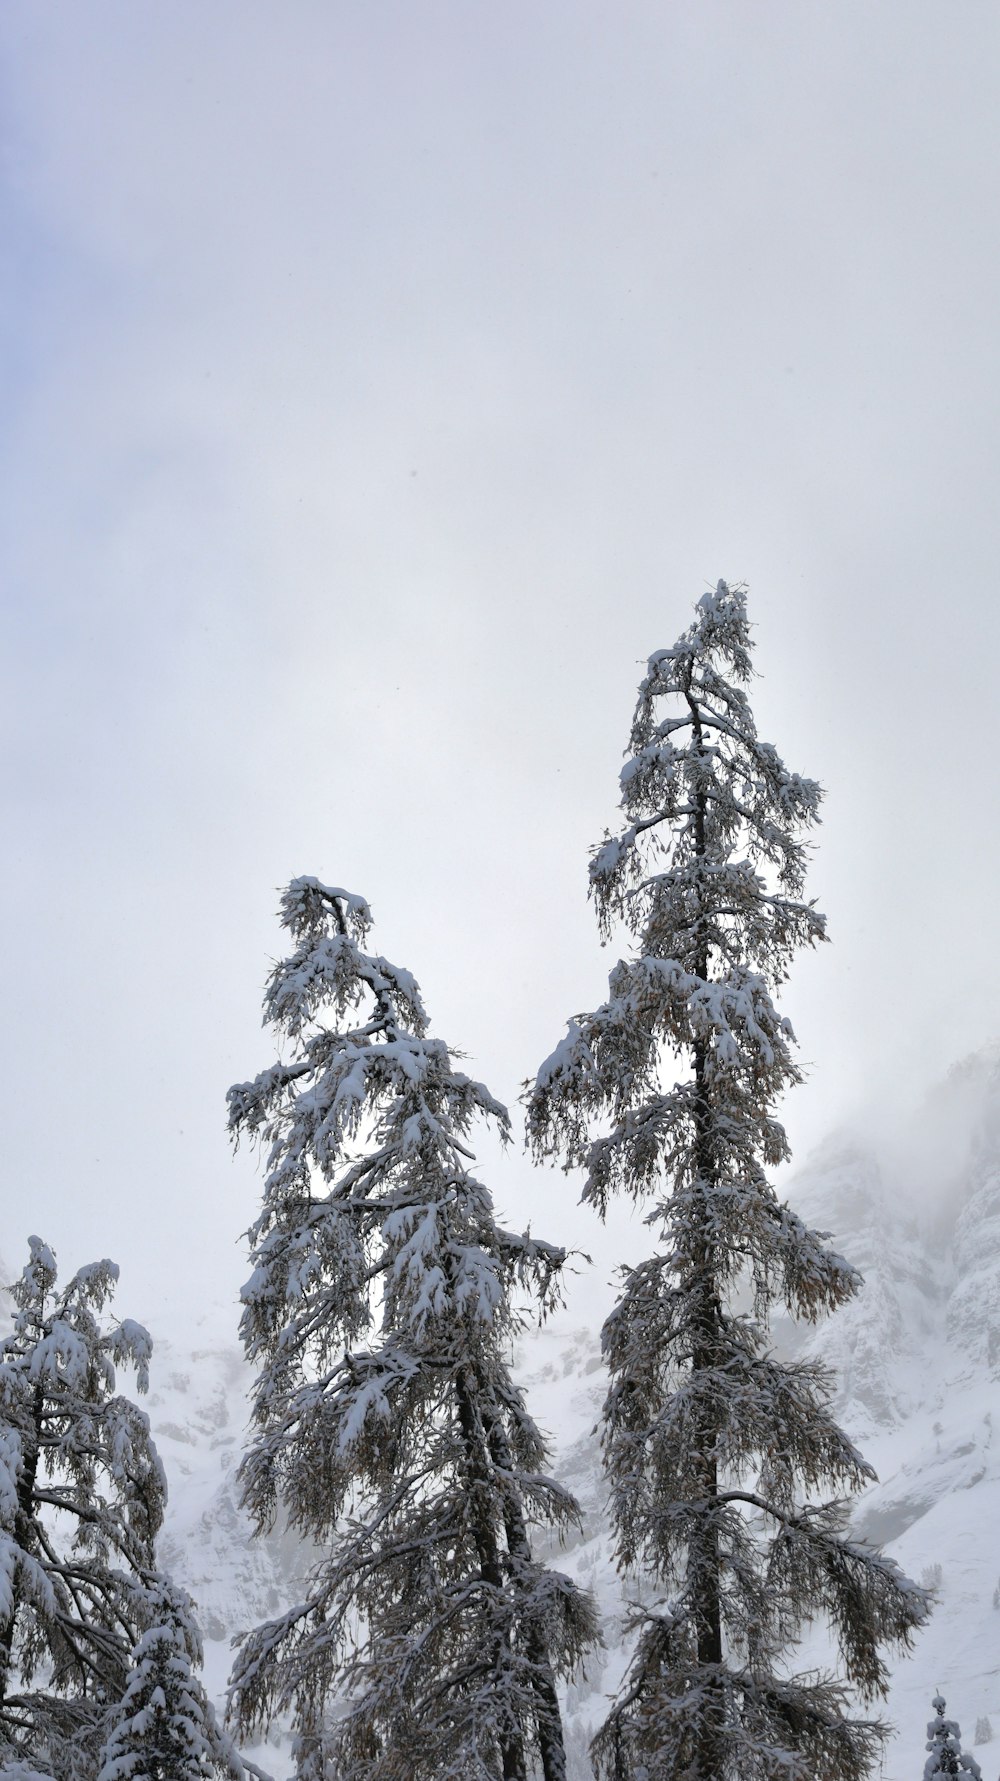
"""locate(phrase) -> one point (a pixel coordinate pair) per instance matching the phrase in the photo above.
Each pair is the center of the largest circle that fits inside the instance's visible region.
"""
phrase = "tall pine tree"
(428, 1640)
(715, 1450)
(81, 1500)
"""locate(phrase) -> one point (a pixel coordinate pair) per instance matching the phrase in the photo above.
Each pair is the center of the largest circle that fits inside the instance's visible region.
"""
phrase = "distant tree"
(380, 1315)
(944, 1741)
(666, 1094)
(81, 1500)
(164, 1727)
(984, 1730)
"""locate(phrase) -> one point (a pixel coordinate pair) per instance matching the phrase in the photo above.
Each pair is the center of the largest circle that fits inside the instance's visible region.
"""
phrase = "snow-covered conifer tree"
(944, 1742)
(715, 1450)
(81, 1500)
(164, 1727)
(428, 1640)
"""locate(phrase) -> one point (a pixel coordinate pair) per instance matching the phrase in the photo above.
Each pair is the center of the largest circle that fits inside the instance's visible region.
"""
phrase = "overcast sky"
(382, 383)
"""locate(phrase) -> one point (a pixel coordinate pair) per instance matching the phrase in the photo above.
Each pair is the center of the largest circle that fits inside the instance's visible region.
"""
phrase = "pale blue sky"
(381, 384)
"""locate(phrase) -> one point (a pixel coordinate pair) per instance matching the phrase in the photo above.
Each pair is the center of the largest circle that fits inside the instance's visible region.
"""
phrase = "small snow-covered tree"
(380, 1314)
(164, 1727)
(715, 1450)
(81, 1500)
(944, 1742)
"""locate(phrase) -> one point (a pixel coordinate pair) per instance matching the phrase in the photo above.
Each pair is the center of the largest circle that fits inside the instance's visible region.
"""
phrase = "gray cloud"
(382, 384)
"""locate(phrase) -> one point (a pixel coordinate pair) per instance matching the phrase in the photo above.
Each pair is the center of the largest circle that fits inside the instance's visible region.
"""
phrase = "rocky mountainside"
(916, 1359)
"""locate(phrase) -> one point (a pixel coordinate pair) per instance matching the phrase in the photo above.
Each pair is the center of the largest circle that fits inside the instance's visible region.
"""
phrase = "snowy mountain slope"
(916, 1361)
(843, 1190)
(198, 1406)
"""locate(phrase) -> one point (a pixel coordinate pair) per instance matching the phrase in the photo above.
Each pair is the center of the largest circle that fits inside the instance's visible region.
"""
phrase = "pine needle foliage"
(715, 1450)
(379, 1315)
(81, 1500)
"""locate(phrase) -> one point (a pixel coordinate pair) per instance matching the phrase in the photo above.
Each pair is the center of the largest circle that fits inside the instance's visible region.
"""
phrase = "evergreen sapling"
(944, 1742)
(164, 1727)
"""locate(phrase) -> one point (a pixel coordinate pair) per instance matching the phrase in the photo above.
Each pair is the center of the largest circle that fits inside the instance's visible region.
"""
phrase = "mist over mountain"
(915, 1205)
(916, 1359)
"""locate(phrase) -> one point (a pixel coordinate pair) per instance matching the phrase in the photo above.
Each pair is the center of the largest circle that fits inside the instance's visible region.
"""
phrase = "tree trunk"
(480, 1491)
(550, 1729)
(704, 1559)
(707, 1591)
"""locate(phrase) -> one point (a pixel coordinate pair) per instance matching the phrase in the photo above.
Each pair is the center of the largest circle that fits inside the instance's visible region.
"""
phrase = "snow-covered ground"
(917, 1362)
